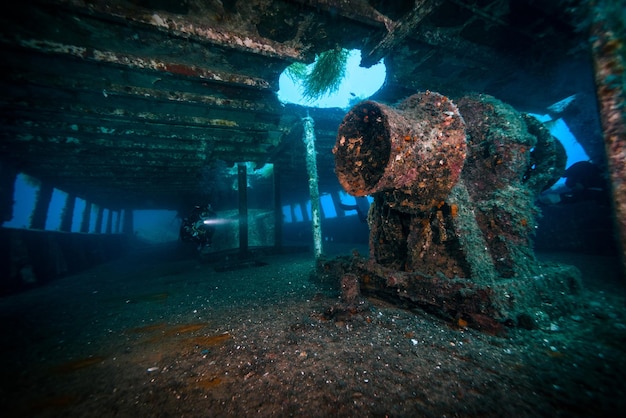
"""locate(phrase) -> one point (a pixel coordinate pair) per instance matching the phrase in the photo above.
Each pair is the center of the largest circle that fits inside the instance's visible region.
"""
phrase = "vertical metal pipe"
(242, 173)
(8, 175)
(99, 216)
(303, 211)
(84, 224)
(68, 213)
(109, 229)
(293, 212)
(311, 166)
(40, 212)
(278, 210)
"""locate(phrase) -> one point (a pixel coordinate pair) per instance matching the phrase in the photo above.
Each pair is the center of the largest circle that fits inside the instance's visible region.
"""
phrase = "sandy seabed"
(158, 334)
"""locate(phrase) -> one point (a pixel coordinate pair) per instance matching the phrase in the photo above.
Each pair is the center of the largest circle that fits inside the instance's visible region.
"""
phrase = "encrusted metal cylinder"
(413, 153)
(450, 222)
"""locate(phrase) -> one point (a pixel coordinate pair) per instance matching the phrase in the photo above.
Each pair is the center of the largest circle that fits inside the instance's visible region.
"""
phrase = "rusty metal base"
(525, 301)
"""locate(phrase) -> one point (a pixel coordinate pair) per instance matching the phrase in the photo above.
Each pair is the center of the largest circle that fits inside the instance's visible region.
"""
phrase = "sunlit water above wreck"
(358, 84)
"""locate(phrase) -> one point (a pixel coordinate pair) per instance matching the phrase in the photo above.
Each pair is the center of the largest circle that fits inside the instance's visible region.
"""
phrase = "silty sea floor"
(163, 334)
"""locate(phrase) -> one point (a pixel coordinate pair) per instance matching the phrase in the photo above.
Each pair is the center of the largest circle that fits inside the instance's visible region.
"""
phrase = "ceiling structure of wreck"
(126, 103)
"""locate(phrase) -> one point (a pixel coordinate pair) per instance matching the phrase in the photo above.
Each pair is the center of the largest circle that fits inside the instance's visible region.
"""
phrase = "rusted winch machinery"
(454, 186)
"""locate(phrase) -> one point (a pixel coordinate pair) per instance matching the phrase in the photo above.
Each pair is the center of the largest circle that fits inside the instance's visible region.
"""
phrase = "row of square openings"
(26, 191)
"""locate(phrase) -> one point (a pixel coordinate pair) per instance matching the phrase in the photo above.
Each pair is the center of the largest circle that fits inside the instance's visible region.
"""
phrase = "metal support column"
(311, 165)
(109, 229)
(242, 173)
(8, 175)
(86, 221)
(278, 211)
(68, 213)
(99, 216)
(42, 203)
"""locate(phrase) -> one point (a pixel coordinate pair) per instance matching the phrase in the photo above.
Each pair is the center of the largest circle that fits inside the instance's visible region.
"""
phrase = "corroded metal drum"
(413, 153)
(451, 217)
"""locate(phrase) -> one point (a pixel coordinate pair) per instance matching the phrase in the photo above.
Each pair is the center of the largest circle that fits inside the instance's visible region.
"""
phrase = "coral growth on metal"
(413, 153)
(510, 159)
(450, 212)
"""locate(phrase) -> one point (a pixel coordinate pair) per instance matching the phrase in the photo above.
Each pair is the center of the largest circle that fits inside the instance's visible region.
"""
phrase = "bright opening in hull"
(357, 84)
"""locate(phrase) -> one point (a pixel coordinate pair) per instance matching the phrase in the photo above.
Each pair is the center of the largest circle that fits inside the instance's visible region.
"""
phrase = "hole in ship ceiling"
(355, 84)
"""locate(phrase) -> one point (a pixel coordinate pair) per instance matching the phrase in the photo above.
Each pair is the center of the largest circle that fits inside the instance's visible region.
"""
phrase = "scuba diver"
(199, 227)
(586, 182)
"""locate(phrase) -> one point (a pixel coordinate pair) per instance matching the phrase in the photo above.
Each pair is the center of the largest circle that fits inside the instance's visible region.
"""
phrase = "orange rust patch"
(183, 329)
(209, 340)
(173, 331)
(454, 210)
(208, 383)
(72, 366)
(555, 354)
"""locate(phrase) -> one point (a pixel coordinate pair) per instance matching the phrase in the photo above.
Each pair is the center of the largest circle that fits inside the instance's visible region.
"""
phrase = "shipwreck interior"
(145, 104)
